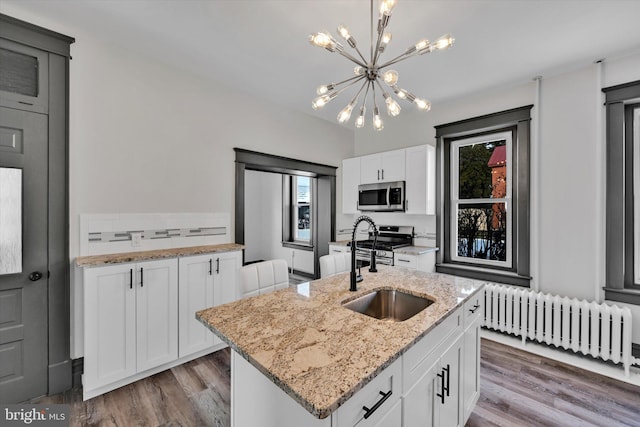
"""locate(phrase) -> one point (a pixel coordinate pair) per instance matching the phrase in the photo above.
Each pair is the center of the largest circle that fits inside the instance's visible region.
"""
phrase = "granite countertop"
(321, 353)
(96, 260)
(416, 250)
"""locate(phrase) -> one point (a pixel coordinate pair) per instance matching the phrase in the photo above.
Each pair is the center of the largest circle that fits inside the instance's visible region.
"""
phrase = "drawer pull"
(131, 278)
(210, 266)
(141, 277)
(474, 308)
(368, 412)
(404, 260)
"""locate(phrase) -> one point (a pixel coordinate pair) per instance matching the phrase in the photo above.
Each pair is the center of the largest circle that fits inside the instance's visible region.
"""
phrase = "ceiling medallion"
(371, 72)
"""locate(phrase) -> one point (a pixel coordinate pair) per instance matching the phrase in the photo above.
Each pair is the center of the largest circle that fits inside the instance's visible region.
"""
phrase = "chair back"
(263, 277)
(333, 264)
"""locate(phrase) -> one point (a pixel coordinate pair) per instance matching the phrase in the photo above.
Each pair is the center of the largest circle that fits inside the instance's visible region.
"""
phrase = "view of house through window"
(301, 215)
(480, 199)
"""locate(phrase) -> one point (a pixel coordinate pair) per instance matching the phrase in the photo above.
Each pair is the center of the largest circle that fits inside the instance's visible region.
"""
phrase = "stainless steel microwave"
(381, 197)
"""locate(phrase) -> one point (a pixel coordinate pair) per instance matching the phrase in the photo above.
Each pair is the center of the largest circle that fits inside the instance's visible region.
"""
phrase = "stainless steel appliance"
(381, 197)
(390, 237)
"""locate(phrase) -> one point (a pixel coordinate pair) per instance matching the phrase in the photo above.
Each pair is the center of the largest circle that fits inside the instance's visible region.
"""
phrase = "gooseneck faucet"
(372, 267)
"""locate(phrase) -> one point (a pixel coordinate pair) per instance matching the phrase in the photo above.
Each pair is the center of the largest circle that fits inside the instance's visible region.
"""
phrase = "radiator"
(599, 330)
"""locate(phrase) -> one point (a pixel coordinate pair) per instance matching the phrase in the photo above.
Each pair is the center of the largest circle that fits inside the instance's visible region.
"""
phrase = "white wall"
(263, 222)
(145, 137)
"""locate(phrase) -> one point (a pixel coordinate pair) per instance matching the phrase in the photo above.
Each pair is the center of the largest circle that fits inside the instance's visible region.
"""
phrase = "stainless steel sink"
(388, 304)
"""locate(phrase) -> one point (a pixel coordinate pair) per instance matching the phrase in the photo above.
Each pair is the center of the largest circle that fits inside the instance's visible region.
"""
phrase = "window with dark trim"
(483, 197)
(297, 211)
(622, 192)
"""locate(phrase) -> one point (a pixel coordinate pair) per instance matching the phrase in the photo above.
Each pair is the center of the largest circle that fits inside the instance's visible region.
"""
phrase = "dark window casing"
(518, 121)
(620, 101)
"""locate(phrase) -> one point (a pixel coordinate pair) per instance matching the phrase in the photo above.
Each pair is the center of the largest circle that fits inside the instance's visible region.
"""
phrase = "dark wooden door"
(23, 254)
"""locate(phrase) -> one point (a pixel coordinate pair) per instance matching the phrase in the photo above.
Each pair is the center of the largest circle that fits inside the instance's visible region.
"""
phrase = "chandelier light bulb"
(386, 7)
(443, 42)
(321, 90)
(378, 124)
(386, 38)
(393, 108)
(323, 100)
(359, 71)
(390, 77)
(360, 119)
(400, 93)
(345, 114)
(321, 39)
(422, 104)
(344, 32)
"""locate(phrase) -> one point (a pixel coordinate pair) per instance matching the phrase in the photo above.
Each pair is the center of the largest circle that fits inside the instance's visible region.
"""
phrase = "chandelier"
(371, 72)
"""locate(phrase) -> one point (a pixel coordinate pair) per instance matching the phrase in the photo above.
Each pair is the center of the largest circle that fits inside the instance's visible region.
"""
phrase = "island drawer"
(379, 396)
(424, 353)
(473, 308)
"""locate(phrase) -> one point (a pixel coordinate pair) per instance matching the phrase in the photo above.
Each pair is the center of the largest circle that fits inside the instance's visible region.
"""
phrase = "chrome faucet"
(372, 266)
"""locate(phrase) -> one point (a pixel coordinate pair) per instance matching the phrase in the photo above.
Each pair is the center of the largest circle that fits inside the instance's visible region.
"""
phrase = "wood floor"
(518, 389)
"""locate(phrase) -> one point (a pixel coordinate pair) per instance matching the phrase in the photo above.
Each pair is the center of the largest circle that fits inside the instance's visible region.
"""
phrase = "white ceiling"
(261, 45)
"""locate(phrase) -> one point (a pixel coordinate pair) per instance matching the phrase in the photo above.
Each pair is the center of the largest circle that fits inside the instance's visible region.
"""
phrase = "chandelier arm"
(352, 58)
(339, 91)
(377, 52)
(346, 80)
(360, 54)
(397, 59)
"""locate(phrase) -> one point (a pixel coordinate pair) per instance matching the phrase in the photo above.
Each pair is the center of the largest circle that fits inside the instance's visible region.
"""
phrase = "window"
(301, 209)
(623, 193)
(481, 200)
(297, 211)
(483, 203)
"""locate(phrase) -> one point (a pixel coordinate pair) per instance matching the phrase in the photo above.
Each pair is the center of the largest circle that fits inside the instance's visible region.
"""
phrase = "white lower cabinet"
(422, 262)
(131, 320)
(339, 249)
(473, 315)
(139, 318)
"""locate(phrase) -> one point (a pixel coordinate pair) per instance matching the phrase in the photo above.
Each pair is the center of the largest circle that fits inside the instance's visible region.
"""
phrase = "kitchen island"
(301, 358)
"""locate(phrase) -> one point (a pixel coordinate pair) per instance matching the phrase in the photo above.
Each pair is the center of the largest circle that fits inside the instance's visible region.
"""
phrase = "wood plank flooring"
(518, 389)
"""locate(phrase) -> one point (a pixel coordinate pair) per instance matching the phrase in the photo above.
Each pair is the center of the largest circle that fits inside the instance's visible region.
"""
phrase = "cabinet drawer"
(388, 381)
(473, 308)
(428, 350)
(405, 261)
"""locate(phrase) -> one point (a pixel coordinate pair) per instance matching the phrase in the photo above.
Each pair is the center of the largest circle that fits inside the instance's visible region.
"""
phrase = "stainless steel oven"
(381, 197)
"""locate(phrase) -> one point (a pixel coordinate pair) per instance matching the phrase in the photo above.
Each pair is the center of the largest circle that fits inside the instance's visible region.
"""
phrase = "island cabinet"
(131, 320)
(473, 312)
(257, 401)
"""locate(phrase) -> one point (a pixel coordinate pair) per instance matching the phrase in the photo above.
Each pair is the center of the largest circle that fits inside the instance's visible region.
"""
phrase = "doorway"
(323, 179)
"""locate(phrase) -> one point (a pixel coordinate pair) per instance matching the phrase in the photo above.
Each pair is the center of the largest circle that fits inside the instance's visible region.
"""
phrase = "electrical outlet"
(136, 239)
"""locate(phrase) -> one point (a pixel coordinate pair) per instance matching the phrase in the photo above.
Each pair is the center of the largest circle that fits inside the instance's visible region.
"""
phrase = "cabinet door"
(471, 369)
(449, 382)
(225, 276)
(156, 312)
(195, 292)
(350, 182)
(392, 166)
(418, 404)
(24, 77)
(393, 418)
(370, 168)
(109, 324)
(420, 176)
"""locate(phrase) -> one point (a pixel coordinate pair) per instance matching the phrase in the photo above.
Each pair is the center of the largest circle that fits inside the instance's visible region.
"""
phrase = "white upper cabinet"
(420, 187)
(350, 182)
(383, 167)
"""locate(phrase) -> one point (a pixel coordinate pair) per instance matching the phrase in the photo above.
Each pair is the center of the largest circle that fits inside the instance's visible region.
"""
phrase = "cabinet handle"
(210, 266)
(474, 308)
(403, 260)
(217, 265)
(448, 378)
(378, 174)
(141, 277)
(368, 412)
(131, 278)
(383, 174)
(441, 394)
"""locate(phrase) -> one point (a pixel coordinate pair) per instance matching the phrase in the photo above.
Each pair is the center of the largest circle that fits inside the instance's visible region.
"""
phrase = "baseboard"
(77, 369)
(584, 362)
(59, 377)
(302, 274)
